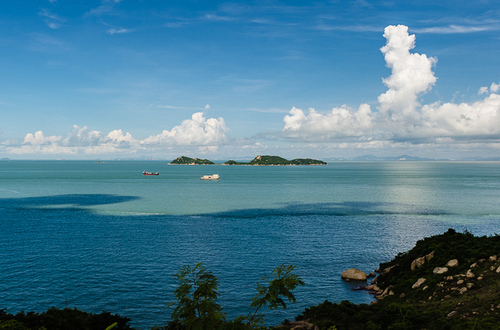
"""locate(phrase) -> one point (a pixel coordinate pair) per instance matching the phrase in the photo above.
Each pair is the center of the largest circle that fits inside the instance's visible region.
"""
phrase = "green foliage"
(283, 282)
(232, 162)
(63, 319)
(196, 298)
(12, 325)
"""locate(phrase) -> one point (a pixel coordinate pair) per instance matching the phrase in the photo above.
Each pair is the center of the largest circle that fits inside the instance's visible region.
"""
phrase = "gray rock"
(452, 263)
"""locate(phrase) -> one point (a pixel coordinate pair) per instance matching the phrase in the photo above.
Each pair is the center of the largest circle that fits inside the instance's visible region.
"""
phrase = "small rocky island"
(277, 161)
(183, 160)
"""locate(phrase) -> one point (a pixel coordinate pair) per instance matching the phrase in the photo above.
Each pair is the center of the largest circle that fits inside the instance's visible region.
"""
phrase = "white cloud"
(198, 132)
(53, 21)
(81, 140)
(195, 131)
(459, 120)
(411, 74)
(483, 90)
(452, 29)
(113, 31)
(207, 106)
(339, 123)
(494, 87)
(400, 116)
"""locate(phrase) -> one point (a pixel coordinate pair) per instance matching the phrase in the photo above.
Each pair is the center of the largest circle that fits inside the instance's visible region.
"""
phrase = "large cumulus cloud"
(195, 131)
(400, 116)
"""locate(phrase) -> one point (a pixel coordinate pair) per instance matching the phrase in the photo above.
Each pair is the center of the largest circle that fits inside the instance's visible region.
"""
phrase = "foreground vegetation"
(465, 295)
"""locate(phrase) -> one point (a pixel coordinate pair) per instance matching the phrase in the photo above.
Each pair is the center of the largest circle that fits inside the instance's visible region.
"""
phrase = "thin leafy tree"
(196, 298)
(280, 287)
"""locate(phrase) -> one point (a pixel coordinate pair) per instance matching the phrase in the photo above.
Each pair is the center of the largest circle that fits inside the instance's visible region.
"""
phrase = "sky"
(119, 79)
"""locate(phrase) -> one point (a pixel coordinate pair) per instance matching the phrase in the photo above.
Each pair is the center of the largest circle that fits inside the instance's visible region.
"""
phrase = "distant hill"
(391, 158)
(276, 160)
(183, 160)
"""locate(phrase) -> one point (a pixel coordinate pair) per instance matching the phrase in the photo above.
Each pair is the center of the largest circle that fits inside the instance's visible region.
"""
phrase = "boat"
(150, 173)
(211, 177)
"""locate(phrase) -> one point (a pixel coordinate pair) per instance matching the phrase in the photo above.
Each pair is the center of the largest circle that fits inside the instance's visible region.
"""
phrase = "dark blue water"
(106, 238)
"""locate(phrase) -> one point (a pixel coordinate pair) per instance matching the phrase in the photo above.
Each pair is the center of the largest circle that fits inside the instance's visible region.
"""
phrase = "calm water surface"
(100, 236)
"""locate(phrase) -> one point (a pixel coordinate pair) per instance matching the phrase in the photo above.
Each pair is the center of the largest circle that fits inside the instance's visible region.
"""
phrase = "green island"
(257, 161)
(183, 160)
(447, 281)
(276, 161)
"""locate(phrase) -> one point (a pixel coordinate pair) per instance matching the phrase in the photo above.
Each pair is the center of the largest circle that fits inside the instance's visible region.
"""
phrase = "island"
(183, 160)
(277, 161)
(257, 161)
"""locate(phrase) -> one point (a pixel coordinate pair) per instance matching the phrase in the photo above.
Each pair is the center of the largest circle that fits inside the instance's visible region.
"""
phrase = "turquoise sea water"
(100, 236)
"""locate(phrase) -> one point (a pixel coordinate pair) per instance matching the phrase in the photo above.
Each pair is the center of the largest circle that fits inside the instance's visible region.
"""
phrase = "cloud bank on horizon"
(398, 119)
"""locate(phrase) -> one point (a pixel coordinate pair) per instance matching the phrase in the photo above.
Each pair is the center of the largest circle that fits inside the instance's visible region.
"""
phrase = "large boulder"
(419, 262)
(440, 270)
(354, 274)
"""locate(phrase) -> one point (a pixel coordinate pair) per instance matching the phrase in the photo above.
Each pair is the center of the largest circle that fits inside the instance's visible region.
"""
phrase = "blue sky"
(127, 78)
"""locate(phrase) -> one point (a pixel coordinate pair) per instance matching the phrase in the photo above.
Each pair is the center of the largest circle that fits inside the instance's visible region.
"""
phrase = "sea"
(100, 236)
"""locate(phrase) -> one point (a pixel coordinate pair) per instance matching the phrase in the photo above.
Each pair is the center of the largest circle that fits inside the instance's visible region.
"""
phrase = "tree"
(281, 286)
(196, 299)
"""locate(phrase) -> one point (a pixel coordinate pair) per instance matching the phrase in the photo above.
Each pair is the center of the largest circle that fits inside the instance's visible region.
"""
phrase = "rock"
(374, 280)
(492, 258)
(452, 263)
(299, 325)
(440, 270)
(370, 287)
(498, 270)
(470, 285)
(452, 314)
(460, 282)
(354, 274)
(418, 283)
(388, 269)
(372, 274)
(463, 290)
(419, 262)
(429, 256)
(449, 278)
(470, 274)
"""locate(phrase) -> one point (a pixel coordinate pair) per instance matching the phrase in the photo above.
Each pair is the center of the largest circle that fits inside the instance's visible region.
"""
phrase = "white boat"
(211, 177)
